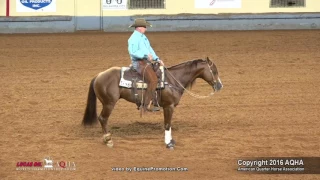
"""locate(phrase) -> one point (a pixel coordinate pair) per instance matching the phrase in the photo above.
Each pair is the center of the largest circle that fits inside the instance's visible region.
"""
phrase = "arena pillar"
(7, 8)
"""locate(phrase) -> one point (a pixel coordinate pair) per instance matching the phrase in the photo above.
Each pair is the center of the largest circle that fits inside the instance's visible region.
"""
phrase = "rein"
(189, 92)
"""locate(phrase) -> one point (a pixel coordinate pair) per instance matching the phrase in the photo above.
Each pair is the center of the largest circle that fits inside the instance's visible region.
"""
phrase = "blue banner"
(36, 4)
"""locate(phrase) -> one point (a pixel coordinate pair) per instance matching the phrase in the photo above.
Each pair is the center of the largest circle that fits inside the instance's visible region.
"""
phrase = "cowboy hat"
(140, 22)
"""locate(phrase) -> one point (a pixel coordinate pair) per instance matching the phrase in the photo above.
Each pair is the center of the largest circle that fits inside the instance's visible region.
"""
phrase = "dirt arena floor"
(269, 105)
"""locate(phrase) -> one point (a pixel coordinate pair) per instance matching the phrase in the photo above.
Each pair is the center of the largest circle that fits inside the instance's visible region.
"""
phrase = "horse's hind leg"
(103, 119)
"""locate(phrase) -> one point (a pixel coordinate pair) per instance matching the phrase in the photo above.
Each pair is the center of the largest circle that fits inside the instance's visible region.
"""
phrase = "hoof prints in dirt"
(137, 128)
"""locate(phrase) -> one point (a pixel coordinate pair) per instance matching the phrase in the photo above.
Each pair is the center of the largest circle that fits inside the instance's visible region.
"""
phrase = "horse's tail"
(90, 115)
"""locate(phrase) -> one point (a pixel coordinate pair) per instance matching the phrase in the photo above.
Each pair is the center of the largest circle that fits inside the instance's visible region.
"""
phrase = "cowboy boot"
(155, 103)
(151, 106)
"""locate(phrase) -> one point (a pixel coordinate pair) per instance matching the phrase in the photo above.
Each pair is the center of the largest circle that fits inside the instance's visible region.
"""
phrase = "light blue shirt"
(139, 48)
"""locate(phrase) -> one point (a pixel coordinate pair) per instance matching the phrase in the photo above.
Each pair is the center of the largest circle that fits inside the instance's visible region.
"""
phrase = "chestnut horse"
(105, 87)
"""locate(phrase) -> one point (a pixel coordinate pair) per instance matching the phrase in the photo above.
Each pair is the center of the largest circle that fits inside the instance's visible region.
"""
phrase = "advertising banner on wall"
(36, 5)
(114, 4)
(217, 4)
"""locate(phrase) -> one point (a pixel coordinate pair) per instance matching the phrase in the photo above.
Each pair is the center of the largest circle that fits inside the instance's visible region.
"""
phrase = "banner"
(36, 5)
(217, 4)
(114, 5)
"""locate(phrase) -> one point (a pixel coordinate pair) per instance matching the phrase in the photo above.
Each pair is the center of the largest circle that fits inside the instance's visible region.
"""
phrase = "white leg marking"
(167, 136)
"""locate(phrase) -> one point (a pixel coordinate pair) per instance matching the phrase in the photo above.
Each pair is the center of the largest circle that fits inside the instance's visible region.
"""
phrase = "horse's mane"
(191, 64)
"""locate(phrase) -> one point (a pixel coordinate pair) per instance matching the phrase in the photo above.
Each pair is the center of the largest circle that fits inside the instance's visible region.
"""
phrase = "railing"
(146, 4)
(287, 3)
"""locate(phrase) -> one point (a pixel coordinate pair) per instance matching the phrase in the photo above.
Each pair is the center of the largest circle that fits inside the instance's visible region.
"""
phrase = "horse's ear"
(207, 58)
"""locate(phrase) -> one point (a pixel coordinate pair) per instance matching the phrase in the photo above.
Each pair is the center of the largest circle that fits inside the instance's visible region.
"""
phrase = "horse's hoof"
(170, 148)
(171, 144)
(107, 140)
(110, 143)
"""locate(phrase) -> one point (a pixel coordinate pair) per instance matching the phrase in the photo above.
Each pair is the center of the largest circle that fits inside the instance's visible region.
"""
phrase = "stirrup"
(153, 109)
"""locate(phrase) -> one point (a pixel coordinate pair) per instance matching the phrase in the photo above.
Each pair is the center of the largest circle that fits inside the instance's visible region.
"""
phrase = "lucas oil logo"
(36, 4)
(47, 164)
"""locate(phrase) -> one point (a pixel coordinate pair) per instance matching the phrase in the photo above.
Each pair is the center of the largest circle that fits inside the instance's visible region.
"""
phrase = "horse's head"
(211, 75)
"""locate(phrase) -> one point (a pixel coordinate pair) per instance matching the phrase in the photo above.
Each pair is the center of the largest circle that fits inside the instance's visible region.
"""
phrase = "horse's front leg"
(168, 111)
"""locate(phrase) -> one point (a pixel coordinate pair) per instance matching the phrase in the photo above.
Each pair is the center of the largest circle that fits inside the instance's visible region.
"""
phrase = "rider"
(141, 54)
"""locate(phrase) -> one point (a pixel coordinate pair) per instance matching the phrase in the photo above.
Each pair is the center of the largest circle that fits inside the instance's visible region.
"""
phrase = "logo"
(36, 4)
(212, 2)
(29, 164)
(110, 1)
(47, 164)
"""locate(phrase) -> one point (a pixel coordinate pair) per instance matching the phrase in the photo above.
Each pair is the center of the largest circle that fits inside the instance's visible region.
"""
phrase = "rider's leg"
(152, 80)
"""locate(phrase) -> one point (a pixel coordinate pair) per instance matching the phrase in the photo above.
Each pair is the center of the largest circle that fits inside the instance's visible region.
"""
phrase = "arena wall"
(75, 15)
(2, 8)
(174, 7)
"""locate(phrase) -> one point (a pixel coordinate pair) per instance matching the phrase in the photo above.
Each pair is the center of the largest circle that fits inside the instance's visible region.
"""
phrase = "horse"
(105, 87)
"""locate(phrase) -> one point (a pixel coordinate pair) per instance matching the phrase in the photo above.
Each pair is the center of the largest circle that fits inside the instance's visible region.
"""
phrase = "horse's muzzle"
(217, 86)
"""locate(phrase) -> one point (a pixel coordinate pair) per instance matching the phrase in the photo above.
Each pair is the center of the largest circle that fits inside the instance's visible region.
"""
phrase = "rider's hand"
(161, 62)
(150, 57)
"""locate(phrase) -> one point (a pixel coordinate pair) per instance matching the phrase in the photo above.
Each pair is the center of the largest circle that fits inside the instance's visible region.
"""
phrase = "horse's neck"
(185, 74)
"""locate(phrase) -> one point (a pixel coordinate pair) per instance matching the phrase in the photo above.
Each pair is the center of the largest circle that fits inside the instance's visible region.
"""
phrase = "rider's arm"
(155, 57)
(135, 51)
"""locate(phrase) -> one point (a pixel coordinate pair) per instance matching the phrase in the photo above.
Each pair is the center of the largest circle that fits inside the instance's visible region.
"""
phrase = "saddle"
(131, 79)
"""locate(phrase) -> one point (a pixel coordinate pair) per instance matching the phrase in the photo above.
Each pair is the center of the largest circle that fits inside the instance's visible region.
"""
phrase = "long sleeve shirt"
(139, 48)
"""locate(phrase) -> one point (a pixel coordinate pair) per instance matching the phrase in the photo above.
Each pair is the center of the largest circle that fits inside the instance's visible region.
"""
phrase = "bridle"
(191, 93)
(213, 80)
